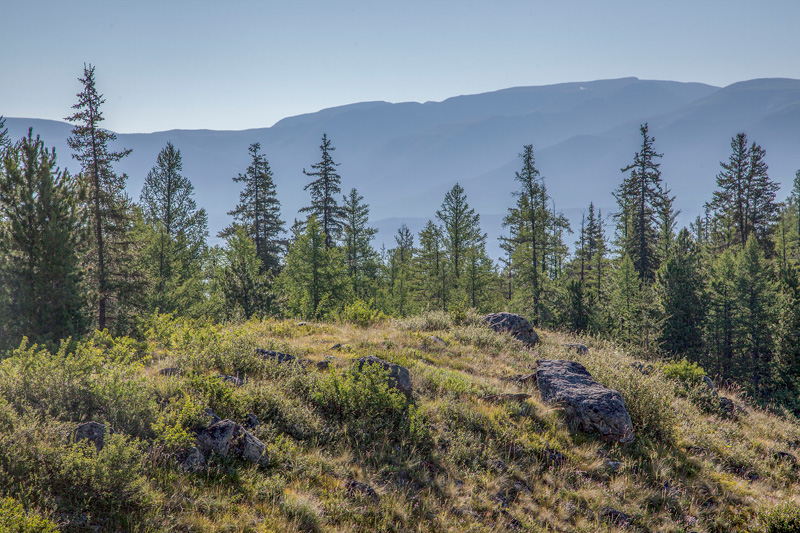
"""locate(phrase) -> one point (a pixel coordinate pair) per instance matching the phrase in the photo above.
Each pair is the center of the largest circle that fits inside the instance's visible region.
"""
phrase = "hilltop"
(345, 452)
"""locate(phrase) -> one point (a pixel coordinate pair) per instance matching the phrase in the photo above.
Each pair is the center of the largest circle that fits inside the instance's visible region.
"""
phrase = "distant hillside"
(403, 157)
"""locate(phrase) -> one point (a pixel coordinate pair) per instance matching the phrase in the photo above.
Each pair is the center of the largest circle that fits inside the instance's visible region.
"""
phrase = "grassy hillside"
(348, 453)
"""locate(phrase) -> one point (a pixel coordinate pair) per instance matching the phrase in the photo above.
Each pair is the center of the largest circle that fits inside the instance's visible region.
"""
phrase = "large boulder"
(516, 325)
(228, 438)
(591, 406)
(399, 378)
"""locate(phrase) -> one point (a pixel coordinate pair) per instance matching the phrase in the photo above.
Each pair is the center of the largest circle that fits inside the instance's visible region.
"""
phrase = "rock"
(301, 324)
(643, 369)
(252, 421)
(337, 346)
(516, 325)
(211, 416)
(552, 457)
(591, 406)
(226, 437)
(578, 347)
(94, 432)
(399, 378)
(278, 357)
(498, 466)
(507, 397)
(613, 466)
(727, 406)
(323, 365)
(793, 444)
(438, 340)
(616, 517)
(697, 450)
(507, 496)
(171, 371)
(786, 456)
(194, 461)
(356, 487)
(233, 380)
(709, 383)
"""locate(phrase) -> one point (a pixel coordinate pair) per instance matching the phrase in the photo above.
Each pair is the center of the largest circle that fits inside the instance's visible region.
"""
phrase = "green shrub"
(14, 519)
(176, 423)
(783, 518)
(687, 373)
(362, 314)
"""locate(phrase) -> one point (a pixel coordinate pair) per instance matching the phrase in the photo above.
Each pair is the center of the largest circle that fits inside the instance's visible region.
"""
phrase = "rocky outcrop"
(399, 378)
(94, 432)
(278, 357)
(592, 407)
(516, 325)
(228, 438)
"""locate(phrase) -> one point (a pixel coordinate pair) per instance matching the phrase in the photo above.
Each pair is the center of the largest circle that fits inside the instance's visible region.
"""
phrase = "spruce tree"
(360, 256)
(639, 198)
(109, 210)
(178, 228)
(461, 229)
(399, 271)
(40, 240)
(325, 187)
(744, 203)
(680, 285)
(259, 211)
(431, 267)
(5, 140)
(720, 329)
(313, 281)
(243, 284)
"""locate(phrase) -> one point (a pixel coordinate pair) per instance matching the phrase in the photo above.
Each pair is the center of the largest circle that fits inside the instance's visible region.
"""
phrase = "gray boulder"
(516, 325)
(591, 406)
(194, 460)
(94, 432)
(399, 378)
(228, 438)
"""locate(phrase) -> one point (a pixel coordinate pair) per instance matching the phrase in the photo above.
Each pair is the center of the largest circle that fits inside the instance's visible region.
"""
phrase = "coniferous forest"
(79, 254)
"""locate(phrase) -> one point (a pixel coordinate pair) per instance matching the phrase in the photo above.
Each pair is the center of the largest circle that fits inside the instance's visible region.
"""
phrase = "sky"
(239, 64)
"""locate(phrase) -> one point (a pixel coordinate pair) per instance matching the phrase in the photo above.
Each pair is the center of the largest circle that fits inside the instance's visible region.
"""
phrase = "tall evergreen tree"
(639, 198)
(431, 267)
(314, 278)
(722, 313)
(179, 229)
(325, 187)
(40, 240)
(461, 229)
(259, 210)
(680, 285)
(244, 285)
(5, 140)
(744, 203)
(360, 256)
(108, 207)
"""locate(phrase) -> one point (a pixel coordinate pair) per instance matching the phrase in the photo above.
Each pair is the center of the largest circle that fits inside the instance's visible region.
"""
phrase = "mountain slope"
(402, 157)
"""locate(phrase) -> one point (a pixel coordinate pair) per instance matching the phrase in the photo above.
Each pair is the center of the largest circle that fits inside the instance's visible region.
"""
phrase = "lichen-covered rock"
(516, 325)
(228, 438)
(278, 357)
(94, 432)
(591, 406)
(399, 378)
(194, 460)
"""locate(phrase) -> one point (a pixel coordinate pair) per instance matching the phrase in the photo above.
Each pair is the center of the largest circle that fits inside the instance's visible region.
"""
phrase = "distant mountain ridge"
(403, 156)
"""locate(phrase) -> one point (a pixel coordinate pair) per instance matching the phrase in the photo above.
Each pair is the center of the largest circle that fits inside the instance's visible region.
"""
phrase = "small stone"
(194, 461)
(301, 324)
(278, 357)
(171, 371)
(786, 456)
(233, 380)
(399, 378)
(498, 466)
(323, 365)
(354, 487)
(613, 466)
(727, 407)
(616, 516)
(226, 437)
(438, 340)
(337, 346)
(581, 349)
(553, 457)
(507, 397)
(94, 432)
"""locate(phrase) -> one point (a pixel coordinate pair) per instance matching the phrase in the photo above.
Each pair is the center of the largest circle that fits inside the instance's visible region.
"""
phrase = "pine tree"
(461, 228)
(259, 211)
(667, 216)
(313, 281)
(744, 203)
(639, 198)
(722, 313)
(479, 274)
(624, 299)
(399, 271)
(178, 228)
(325, 186)
(360, 256)
(5, 140)
(40, 240)
(681, 288)
(108, 207)
(243, 284)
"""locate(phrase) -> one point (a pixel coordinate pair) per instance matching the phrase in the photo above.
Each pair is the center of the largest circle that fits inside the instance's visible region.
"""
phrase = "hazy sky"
(236, 64)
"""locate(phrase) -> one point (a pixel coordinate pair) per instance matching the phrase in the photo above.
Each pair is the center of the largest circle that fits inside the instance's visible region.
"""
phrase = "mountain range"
(403, 157)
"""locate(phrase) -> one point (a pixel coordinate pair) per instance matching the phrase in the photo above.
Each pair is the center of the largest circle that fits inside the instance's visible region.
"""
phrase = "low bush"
(14, 519)
(361, 313)
(783, 518)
